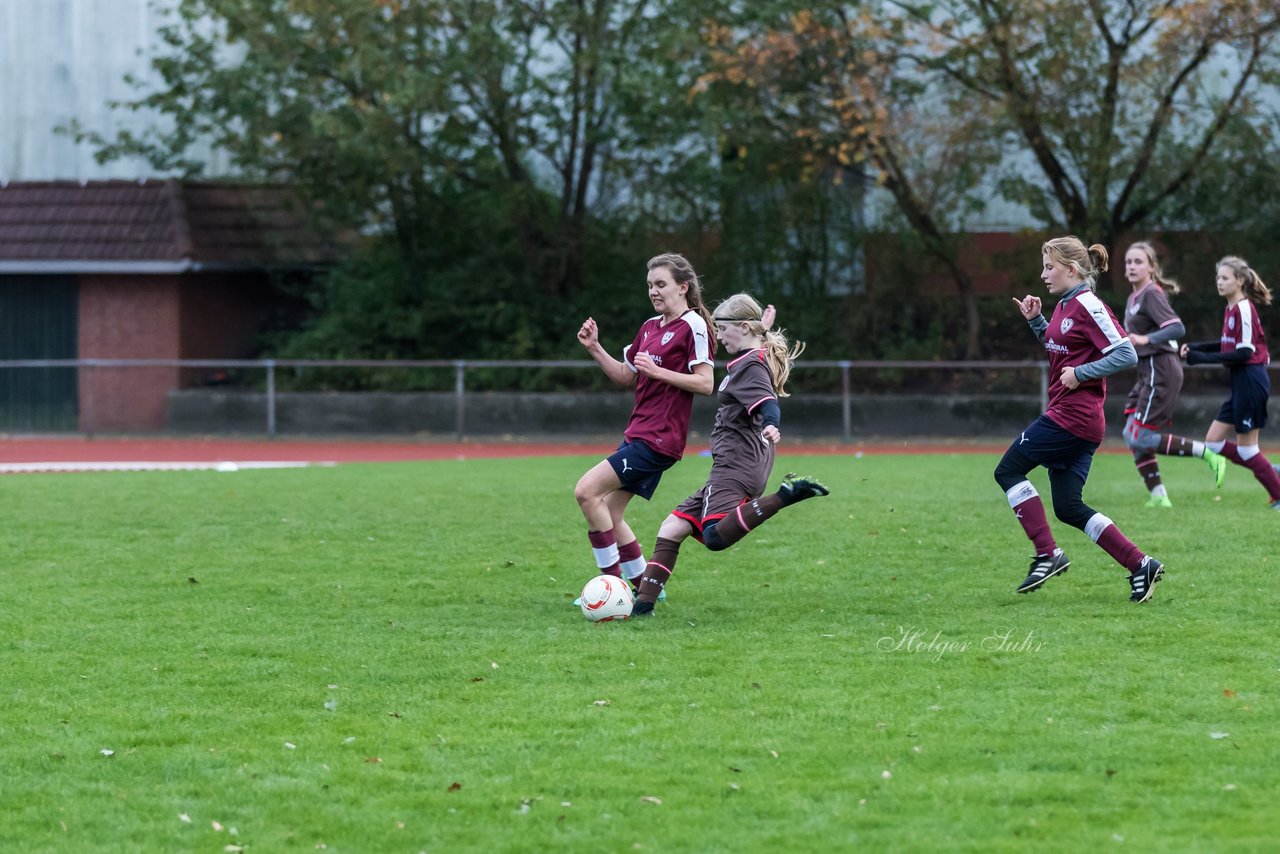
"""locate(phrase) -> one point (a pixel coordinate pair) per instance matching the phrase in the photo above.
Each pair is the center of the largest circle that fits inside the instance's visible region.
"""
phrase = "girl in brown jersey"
(730, 505)
(1154, 330)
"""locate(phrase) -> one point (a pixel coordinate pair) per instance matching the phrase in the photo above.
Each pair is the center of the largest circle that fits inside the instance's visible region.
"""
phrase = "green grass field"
(384, 658)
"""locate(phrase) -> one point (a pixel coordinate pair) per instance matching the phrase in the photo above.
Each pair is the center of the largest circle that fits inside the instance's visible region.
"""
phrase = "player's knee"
(712, 540)
(1008, 476)
(1073, 513)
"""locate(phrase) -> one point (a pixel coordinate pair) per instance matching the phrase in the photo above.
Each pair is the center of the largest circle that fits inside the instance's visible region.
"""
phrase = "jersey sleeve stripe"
(1098, 311)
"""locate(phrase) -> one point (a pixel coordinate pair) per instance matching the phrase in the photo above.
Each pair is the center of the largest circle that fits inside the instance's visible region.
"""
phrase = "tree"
(1118, 104)
(841, 80)
(1094, 116)
(525, 121)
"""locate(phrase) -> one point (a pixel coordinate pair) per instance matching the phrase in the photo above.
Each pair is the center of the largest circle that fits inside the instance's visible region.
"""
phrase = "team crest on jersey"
(1067, 323)
(667, 336)
(1231, 323)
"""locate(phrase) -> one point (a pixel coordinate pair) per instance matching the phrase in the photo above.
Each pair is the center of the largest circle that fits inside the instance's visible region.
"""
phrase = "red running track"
(23, 449)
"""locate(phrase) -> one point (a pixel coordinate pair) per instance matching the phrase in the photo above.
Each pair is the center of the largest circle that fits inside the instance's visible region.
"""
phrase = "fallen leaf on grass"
(1219, 735)
(650, 799)
(453, 787)
(373, 760)
(288, 745)
(106, 752)
(183, 817)
(477, 678)
(1228, 693)
(602, 703)
(216, 825)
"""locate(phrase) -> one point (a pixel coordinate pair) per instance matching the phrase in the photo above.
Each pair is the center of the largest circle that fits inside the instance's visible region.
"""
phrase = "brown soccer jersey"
(742, 459)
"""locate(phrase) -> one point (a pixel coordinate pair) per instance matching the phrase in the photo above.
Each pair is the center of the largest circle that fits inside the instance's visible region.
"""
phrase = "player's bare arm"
(589, 337)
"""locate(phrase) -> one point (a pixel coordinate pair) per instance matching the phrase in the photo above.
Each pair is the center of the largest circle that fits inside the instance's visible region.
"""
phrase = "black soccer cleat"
(1042, 569)
(641, 609)
(1142, 581)
(797, 488)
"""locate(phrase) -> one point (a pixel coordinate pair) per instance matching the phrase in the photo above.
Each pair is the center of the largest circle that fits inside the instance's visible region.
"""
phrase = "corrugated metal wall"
(65, 59)
(38, 321)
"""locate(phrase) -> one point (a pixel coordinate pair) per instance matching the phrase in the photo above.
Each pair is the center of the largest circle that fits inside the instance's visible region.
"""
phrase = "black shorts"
(1051, 446)
(1247, 406)
(639, 467)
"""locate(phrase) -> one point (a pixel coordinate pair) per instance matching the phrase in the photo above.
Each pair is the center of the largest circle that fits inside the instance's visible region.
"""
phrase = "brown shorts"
(721, 495)
(1154, 396)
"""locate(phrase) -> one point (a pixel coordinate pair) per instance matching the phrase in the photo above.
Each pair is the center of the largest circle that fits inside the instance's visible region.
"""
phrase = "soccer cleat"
(1042, 569)
(1218, 463)
(797, 488)
(635, 589)
(642, 609)
(1275, 505)
(1142, 581)
(1159, 501)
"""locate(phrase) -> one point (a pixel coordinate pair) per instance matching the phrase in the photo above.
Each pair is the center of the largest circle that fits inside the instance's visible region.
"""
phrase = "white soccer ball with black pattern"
(606, 598)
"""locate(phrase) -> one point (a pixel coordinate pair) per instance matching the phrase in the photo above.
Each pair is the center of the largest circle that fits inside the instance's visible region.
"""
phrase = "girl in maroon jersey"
(732, 503)
(1243, 349)
(1154, 328)
(1085, 344)
(668, 362)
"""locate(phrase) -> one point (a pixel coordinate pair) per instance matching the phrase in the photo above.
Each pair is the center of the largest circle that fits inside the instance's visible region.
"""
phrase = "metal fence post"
(1044, 386)
(460, 396)
(271, 397)
(846, 410)
(88, 414)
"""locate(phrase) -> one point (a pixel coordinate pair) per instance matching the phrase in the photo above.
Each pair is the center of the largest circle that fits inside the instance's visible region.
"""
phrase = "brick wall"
(127, 317)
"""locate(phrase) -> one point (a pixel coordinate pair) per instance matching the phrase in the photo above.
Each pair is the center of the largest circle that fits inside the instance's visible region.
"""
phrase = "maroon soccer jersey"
(1081, 330)
(1242, 331)
(1147, 310)
(660, 417)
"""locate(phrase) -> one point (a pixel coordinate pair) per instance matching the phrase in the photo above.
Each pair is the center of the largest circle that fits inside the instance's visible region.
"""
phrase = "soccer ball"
(605, 598)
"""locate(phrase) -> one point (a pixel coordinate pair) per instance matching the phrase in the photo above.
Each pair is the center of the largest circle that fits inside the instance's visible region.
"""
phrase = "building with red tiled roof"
(136, 270)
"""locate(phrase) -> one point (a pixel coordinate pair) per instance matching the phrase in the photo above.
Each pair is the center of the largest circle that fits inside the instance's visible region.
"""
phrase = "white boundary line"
(225, 466)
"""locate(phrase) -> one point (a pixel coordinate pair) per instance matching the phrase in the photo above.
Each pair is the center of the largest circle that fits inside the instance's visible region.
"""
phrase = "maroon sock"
(1120, 548)
(1266, 475)
(1030, 514)
(1150, 471)
(630, 552)
(1174, 446)
(1231, 452)
(605, 549)
(658, 571)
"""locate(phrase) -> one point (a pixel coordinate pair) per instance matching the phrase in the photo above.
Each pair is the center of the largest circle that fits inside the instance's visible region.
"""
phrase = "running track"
(42, 453)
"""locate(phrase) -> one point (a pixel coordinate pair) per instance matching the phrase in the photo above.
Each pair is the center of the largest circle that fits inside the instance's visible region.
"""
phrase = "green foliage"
(350, 658)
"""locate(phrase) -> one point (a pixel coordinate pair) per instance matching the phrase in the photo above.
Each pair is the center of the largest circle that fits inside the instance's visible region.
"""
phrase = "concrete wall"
(500, 414)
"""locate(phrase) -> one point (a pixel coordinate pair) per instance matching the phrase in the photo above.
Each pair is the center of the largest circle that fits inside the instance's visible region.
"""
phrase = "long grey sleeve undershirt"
(1122, 357)
(1167, 333)
(1038, 325)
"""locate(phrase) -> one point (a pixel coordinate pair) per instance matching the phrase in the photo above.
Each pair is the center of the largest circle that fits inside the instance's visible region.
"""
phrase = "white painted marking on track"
(224, 466)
